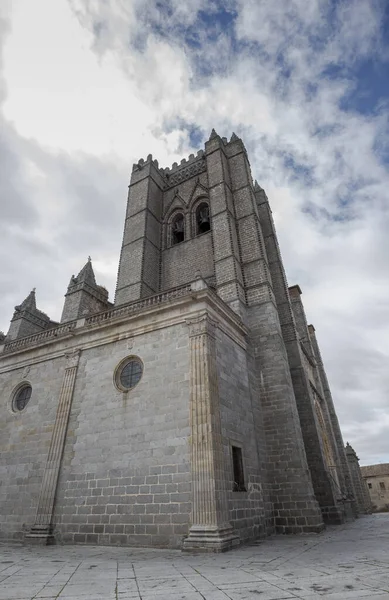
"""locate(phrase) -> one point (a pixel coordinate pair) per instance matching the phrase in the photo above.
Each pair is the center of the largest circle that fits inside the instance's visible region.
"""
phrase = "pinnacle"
(86, 274)
(234, 137)
(29, 302)
(213, 135)
(257, 187)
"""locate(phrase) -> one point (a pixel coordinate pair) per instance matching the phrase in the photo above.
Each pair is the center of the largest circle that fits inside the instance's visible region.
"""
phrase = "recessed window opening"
(203, 222)
(369, 486)
(22, 398)
(382, 485)
(237, 463)
(128, 373)
(178, 229)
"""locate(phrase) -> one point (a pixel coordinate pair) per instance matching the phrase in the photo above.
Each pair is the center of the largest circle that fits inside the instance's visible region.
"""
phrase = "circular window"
(128, 373)
(22, 398)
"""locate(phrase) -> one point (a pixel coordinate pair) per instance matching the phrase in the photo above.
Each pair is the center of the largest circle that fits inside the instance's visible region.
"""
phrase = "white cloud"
(95, 85)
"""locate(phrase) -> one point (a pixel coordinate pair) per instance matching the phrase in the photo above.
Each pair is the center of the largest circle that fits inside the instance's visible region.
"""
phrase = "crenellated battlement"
(167, 172)
(185, 162)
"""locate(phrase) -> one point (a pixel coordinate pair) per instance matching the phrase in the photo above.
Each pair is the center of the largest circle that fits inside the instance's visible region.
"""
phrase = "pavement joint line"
(356, 557)
(136, 581)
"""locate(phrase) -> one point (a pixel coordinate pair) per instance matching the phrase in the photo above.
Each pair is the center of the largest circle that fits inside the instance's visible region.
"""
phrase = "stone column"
(210, 530)
(41, 532)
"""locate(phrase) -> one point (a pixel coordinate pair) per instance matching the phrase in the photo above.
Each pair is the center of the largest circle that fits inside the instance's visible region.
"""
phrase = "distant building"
(192, 412)
(377, 480)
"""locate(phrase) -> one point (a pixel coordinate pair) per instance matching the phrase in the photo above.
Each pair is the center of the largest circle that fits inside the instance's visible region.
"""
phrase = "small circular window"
(128, 373)
(22, 398)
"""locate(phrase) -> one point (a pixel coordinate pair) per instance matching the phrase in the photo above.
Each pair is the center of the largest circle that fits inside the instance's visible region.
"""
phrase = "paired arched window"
(201, 223)
(178, 229)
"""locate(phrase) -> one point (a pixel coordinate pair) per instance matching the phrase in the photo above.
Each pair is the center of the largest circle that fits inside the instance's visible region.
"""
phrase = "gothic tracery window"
(178, 229)
(203, 222)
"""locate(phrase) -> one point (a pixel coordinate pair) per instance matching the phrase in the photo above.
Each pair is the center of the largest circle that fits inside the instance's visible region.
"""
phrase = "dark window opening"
(382, 485)
(237, 463)
(369, 486)
(178, 230)
(22, 397)
(202, 218)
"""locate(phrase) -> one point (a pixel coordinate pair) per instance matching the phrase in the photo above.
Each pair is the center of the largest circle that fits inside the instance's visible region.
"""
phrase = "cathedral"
(194, 411)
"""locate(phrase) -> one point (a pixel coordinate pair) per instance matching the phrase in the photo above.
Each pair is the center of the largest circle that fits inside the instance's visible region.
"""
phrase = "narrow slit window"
(370, 486)
(382, 485)
(237, 463)
(178, 229)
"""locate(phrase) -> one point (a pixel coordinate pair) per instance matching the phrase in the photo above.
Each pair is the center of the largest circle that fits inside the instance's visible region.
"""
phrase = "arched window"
(203, 222)
(178, 229)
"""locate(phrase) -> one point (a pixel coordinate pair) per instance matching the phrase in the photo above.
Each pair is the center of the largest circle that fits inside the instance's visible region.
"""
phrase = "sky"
(88, 87)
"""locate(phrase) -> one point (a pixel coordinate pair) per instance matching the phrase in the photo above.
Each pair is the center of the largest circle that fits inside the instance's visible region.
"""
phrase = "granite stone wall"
(181, 262)
(125, 475)
(24, 442)
(239, 428)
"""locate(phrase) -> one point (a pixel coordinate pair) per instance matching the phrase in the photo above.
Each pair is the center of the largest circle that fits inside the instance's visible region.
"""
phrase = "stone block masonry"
(198, 414)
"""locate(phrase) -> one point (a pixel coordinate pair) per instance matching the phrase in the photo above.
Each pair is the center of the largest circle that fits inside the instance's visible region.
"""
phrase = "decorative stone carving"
(72, 358)
(186, 173)
(201, 325)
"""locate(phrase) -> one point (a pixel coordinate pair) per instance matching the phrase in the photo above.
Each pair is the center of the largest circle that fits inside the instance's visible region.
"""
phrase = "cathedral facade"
(194, 412)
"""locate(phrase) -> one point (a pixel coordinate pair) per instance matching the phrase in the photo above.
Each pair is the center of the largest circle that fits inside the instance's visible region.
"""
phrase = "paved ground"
(343, 563)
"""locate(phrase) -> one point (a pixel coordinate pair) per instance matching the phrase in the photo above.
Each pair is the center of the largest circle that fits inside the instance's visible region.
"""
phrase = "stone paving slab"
(343, 563)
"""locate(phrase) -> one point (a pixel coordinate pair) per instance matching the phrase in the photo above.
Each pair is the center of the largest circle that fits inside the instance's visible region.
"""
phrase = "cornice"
(116, 325)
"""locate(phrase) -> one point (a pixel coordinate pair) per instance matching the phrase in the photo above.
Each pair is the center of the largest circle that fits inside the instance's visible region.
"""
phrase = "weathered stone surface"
(231, 432)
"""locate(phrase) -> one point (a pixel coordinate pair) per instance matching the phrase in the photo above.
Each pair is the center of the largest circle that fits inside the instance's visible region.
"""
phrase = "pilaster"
(210, 530)
(41, 532)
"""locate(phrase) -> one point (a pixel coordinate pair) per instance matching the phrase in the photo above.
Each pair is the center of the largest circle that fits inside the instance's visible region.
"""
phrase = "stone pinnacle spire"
(29, 302)
(87, 274)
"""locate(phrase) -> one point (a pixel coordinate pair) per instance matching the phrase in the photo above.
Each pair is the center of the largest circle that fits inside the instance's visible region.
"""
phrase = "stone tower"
(239, 257)
(195, 411)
